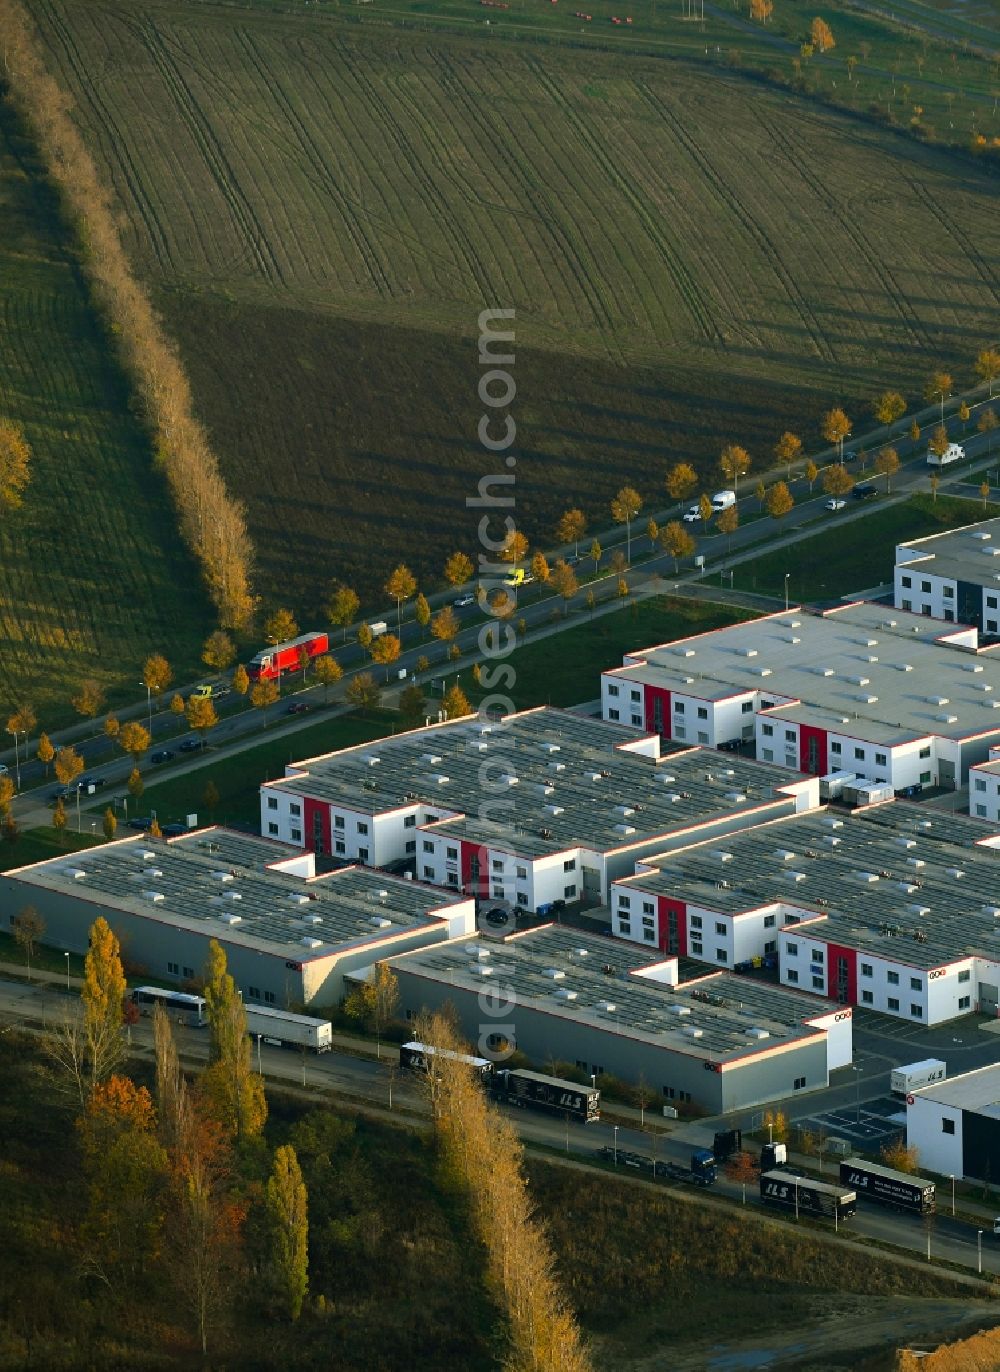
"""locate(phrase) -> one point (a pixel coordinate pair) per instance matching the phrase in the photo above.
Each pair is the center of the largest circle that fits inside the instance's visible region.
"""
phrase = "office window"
(991, 626)
(720, 928)
(272, 828)
(906, 581)
(680, 731)
(767, 754)
(678, 707)
(569, 865)
(637, 721)
(925, 751)
(893, 1003)
(702, 736)
(916, 1011)
(916, 984)
(767, 730)
(624, 902)
(696, 947)
(497, 862)
(892, 978)
(816, 955)
(187, 971)
(522, 898)
(925, 586)
(907, 605)
(362, 827)
(798, 1084)
(790, 735)
(269, 997)
(648, 908)
(296, 835)
(635, 695)
(569, 892)
(295, 809)
(648, 935)
(835, 747)
(409, 821)
(428, 846)
(498, 893)
(772, 946)
(792, 975)
(614, 714)
(964, 1002)
(272, 802)
(866, 969)
(522, 873)
(253, 992)
(880, 759)
(769, 921)
(648, 922)
(612, 689)
(867, 997)
(174, 969)
(696, 921)
(747, 707)
(792, 950)
(819, 984)
(859, 754)
(625, 926)
(991, 602)
(721, 955)
(411, 847)
(362, 854)
(340, 846)
(965, 975)
(338, 821)
(702, 712)
(948, 592)
(947, 1126)
(980, 784)
(924, 778)
(451, 853)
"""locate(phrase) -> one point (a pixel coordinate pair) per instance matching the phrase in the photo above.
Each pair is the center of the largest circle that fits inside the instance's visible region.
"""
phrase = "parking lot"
(879, 1122)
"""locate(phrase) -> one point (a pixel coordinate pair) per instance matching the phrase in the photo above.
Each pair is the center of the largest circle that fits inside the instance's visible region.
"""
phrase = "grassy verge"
(855, 556)
(38, 845)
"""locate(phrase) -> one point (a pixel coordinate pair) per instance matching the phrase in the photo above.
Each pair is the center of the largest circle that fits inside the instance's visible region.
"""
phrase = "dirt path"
(845, 1331)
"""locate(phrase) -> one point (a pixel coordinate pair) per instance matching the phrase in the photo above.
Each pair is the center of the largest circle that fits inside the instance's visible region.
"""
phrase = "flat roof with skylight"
(971, 553)
(978, 1091)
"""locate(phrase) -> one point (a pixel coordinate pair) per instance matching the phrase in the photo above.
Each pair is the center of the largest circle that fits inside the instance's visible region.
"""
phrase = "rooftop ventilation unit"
(673, 797)
(625, 829)
(297, 898)
(868, 877)
(606, 1007)
(916, 909)
(982, 535)
(793, 639)
(764, 671)
(230, 919)
(721, 855)
(956, 873)
(947, 719)
(905, 842)
(564, 993)
(554, 974)
(551, 748)
(861, 680)
(370, 759)
(483, 969)
(974, 667)
(993, 910)
(312, 919)
(78, 873)
(593, 776)
(831, 822)
(439, 778)
(553, 810)
(826, 671)
(904, 666)
(747, 652)
(790, 875)
(222, 876)
(686, 652)
(908, 887)
(380, 922)
(152, 872)
(625, 810)
(679, 1010)
(871, 642)
(482, 954)
(916, 862)
(737, 797)
(557, 766)
(544, 788)
(938, 700)
(795, 624)
(871, 658)
(433, 758)
(309, 942)
(832, 840)
(784, 854)
(758, 1034)
(692, 1031)
(666, 777)
(868, 700)
(152, 896)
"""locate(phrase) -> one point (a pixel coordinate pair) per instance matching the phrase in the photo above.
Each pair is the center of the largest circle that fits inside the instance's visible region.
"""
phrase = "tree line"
(180, 1188)
(211, 522)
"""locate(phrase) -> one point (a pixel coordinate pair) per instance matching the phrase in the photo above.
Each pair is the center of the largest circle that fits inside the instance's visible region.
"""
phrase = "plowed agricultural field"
(324, 209)
(91, 575)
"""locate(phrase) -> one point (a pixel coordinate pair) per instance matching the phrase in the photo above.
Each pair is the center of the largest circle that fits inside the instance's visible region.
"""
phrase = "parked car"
(4, 769)
(730, 745)
(850, 456)
(865, 491)
(190, 745)
(835, 503)
(173, 830)
(463, 600)
(88, 781)
(496, 916)
(693, 515)
(297, 707)
(141, 822)
(164, 755)
(221, 691)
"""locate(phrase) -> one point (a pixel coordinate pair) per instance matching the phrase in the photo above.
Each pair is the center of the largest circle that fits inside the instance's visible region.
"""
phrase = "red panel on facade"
(812, 740)
(842, 982)
(471, 851)
(312, 809)
(667, 907)
(657, 707)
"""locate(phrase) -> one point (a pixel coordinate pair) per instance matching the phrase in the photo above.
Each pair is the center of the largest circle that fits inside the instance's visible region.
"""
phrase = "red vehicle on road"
(269, 663)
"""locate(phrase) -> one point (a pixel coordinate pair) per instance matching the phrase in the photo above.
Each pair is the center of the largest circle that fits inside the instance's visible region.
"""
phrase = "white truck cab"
(953, 453)
(722, 500)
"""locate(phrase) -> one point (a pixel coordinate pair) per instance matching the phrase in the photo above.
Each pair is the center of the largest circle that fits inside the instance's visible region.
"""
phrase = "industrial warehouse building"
(884, 694)
(954, 576)
(894, 907)
(544, 805)
(955, 1125)
(289, 936)
(559, 995)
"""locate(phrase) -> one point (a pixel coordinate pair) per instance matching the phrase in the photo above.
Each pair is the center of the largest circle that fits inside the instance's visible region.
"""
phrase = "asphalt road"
(381, 1084)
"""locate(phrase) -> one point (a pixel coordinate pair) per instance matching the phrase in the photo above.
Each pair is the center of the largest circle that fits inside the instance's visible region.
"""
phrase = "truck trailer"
(534, 1091)
(269, 663)
(899, 1190)
(904, 1080)
(807, 1197)
(701, 1170)
(285, 1030)
(419, 1057)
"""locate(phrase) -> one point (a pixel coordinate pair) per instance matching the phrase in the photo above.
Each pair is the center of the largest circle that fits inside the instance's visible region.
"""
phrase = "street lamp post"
(616, 1145)
(787, 575)
(17, 757)
(951, 1178)
(796, 1199)
(149, 705)
(857, 1078)
(979, 1251)
(260, 1070)
(66, 956)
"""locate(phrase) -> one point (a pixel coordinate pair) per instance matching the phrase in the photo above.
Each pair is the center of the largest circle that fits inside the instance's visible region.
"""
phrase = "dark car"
(164, 755)
(865, 491)
(173, 830)
(140, 822)
(87, 781)
(730, 745)
(496, 916)
(190, 745)
(297, 707)
(850, 456)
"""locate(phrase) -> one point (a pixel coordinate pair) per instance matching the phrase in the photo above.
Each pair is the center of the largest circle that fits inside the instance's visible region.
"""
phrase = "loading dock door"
(989, 998)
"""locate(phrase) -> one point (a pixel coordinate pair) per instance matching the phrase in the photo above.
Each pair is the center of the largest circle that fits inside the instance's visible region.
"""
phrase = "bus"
(179, 1005)
(417, 1057)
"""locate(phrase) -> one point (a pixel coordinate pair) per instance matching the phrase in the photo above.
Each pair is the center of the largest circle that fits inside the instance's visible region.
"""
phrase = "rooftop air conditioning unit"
(737, 797)
(607, 1007)
(230, 919)
(153, 896)
(152, 872)
(433, 758)
(757, 1033)
(308, 942)
(312, 919)
(78, 873)
(564, 993)
(692, 1031)
(380, 922)
(679, 1010)
(554, 973)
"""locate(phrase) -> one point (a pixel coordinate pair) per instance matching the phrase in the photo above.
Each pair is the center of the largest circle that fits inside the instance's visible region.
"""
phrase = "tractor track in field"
(208, 144)
(496, 137)
(722, 193)
(687, 289)
(89, 92)
(351, 215)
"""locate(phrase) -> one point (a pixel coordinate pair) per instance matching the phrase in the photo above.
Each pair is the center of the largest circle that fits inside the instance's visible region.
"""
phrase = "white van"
(722, 500)
(953, 453)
